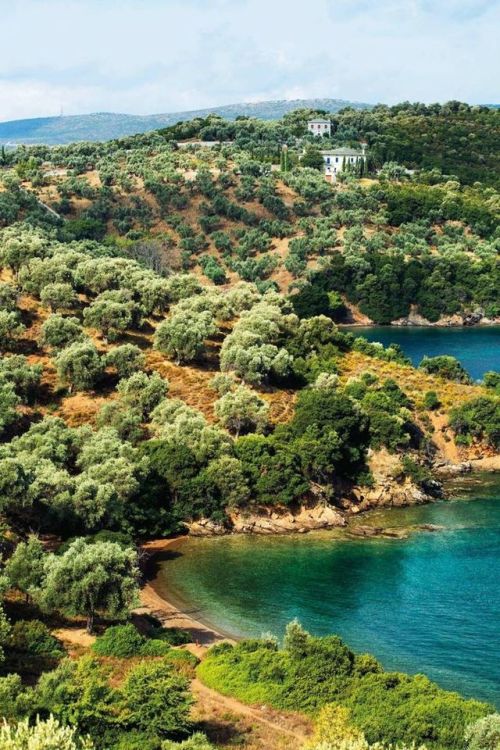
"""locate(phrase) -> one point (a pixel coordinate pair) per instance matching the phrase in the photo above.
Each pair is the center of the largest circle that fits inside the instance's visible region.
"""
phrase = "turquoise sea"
(429, 603)
(477, 348)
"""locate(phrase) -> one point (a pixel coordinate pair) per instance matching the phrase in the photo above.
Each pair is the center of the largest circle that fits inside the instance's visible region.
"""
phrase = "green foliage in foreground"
(484, 734)
(150, 705)
(44, 735)
(197, 741)
(311, 672)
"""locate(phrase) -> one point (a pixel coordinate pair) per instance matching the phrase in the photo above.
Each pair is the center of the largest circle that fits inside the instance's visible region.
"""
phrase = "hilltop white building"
(337, 159)
(319, 127)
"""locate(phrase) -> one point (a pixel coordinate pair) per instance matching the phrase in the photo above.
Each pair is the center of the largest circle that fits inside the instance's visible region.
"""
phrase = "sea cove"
(477, 348)
(429, 603)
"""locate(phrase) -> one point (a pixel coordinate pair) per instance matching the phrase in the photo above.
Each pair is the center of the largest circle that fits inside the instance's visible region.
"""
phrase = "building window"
(337, 159)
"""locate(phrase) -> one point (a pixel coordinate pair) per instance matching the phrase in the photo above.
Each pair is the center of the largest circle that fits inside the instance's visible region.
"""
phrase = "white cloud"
(145, 56)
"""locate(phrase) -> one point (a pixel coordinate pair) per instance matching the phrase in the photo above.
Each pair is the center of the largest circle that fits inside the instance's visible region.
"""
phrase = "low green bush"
(431, 400)
(33, 637)
(479, 418)
(125, 642)
(173, 636)
(491, 380)
(122, 641)
(447, 367)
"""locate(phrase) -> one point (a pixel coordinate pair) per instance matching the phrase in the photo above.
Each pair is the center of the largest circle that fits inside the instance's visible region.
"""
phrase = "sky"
(154, 56)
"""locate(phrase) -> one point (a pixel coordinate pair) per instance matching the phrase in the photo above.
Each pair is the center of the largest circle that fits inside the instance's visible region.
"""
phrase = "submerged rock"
(429, 527)
(379, 532)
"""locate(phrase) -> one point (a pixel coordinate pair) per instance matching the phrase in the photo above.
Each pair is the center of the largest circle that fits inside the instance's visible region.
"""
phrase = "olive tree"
(125, 359)
(39, 272)
(91, 579)
(154, 294)
(24, 378)
(242, 410)
(9, 401)
(123, 418)
(183, 285)
(143, 391)
(183, 335)
(179, 424)
(10, 327)
(58, 296)
(8, 296)
(79, 365)
(59, 332)
(253, 351)
(109, 316)
(24, 568)
(19, 245)
(251, 359)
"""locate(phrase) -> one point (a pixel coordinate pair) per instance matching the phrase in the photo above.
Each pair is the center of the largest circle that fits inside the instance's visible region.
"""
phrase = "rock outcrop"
(449, 469)
(268, 521)
(470, 318)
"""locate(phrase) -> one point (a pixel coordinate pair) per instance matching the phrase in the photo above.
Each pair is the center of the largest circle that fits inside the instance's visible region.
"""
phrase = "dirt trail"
(280, 729)
(263, 728)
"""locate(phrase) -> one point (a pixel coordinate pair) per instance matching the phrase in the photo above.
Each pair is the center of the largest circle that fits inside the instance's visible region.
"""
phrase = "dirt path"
(268, 728)
(226, 720)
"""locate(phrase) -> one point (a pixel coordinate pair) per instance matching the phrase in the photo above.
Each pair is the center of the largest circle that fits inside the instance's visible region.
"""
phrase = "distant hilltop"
(103, 126)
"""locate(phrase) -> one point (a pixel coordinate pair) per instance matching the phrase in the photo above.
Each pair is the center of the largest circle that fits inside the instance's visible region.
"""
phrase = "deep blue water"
(429, 603)
(477, 348)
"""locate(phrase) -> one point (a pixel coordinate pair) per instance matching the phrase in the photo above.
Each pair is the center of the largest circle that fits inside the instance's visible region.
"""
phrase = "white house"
(319, 127)
(337, 159)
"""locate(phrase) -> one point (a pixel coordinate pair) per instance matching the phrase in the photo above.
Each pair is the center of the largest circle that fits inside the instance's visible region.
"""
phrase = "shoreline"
(164, 607)
(158, 601)
(441, 324)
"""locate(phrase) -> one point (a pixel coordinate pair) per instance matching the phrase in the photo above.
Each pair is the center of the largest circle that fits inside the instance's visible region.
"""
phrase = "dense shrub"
(484, 734)
(309, 673)
(431, 400)
(33, 637)
(447, 367)
(479, 418)
(125, 641)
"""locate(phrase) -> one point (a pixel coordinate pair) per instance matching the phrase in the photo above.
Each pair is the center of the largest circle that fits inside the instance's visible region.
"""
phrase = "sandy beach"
(155, 603)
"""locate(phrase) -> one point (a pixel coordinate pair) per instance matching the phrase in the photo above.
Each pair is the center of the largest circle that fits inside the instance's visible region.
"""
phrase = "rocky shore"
(414, 318)
(313, 517)
(319, 514)
(459, 319)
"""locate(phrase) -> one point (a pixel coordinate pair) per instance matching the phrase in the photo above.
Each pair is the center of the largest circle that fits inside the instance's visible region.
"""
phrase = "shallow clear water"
(477, 348)
(429, 603)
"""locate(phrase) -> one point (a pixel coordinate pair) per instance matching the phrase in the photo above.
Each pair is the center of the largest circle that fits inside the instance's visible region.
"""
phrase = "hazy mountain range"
(103, 126)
